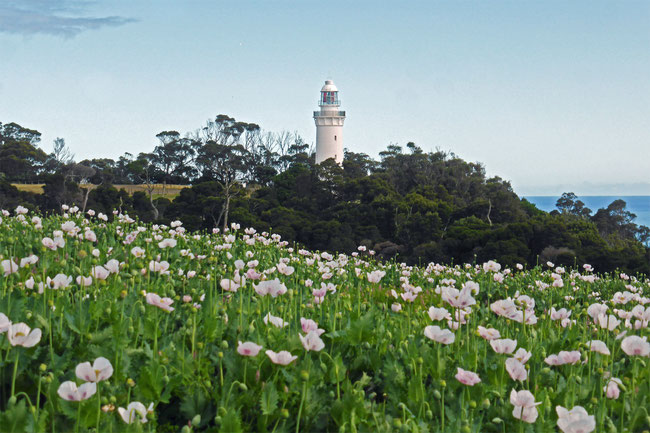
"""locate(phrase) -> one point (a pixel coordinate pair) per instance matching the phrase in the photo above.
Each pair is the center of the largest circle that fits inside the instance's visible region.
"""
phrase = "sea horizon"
(637, 204)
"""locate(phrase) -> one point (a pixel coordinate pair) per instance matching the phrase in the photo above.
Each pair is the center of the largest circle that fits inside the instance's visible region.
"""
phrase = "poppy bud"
(108, 310)
(130, 382)
(196, 420)
(42, 367)
(497, 420)
(29, 314)
(220, 355)
(222, 411)
(217, 419)
(437, 395)
(243, 387)
(429, 414)
(472, 404)
(466, 429)
(397, 423)
(304, 375)
(199, 344)
(443, 383)
(12, 400)
(284, 413)
(224, 344)
(485, 404)
(186, 429)
(323, 367)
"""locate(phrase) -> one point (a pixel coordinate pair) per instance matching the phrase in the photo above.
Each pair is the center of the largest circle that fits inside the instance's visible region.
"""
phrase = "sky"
(553, 96)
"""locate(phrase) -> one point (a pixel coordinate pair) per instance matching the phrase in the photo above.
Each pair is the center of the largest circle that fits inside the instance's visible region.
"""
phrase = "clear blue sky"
(552, 95)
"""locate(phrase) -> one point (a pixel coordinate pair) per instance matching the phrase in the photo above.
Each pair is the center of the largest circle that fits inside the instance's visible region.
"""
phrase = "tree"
(174, 158)
(61, 156)
(569, 204)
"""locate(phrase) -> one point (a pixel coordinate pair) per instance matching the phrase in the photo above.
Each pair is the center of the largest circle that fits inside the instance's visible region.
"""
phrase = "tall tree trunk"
(489, 210)
(227, 205)
(83, 208)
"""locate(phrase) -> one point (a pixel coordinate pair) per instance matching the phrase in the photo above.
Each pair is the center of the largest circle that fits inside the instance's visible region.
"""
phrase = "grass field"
(160, 190)
(123, 326)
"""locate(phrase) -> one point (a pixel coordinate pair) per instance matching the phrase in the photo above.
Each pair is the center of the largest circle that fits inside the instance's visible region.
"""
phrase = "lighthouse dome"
(329, 87)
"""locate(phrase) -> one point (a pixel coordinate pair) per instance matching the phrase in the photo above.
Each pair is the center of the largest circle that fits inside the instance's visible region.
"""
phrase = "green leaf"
(269, 399)
(71, 322)
(14, 419)
(231, 422)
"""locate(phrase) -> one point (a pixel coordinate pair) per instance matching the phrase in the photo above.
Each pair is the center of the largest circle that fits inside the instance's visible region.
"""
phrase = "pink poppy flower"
(516, 369)
(248, 348)
(611, 389)
(375, 276)
(608, 322)
(275, 321)
(408, 296)
(563, 357)
(84, 281)
(19, 335)
(503, 345)
(99, 272)
(467, 377)
(270, 287)
(396, 308)
(134, 411)
(458, 298)
(281, 358)
(5, 323)
(100, 370)
(636, 346)
(598, 346)
(444, 336)
(157, 301)
(438, 314)
(312, 341)
(285, 269)
(522, 355)
(167, 243)
(576, 420)
(524, 403)
(60, 281)
(489, 333)
(229, 285)
(68, 391)
(308, 325)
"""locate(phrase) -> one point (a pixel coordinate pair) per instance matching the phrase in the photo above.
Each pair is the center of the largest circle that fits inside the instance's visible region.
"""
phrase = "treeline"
(415, 205)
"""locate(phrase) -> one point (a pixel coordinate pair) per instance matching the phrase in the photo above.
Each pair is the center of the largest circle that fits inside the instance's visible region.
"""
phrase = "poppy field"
(113, 325)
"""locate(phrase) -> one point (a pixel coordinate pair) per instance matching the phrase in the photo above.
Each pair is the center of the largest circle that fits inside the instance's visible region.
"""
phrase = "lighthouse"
(329, 125)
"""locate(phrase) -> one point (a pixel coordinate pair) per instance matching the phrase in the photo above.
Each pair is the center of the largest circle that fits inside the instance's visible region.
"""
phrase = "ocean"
(637, 204)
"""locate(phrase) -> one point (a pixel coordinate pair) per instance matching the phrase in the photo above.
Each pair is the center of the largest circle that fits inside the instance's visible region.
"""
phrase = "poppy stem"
(13, 379)
(302, 401)
(99, 405)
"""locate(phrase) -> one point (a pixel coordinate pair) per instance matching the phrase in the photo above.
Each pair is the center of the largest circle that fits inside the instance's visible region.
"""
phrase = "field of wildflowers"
(121, 326)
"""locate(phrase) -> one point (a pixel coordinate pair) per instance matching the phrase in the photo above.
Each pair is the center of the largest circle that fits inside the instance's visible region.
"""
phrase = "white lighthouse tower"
(329, 125)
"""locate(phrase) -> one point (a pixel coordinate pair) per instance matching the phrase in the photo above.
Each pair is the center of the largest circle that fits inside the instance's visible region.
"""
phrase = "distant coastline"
(637, 204)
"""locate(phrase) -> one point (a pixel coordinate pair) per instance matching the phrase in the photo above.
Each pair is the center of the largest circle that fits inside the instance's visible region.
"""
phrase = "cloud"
(53, 17)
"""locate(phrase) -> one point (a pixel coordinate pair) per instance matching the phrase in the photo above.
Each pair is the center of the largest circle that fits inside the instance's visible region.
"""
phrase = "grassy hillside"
(160, 190)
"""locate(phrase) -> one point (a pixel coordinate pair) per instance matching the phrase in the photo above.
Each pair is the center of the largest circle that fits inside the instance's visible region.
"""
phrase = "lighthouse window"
(335, 138)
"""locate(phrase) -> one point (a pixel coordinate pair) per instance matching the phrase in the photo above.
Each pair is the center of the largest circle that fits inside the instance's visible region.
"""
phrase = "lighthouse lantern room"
(329, 125)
